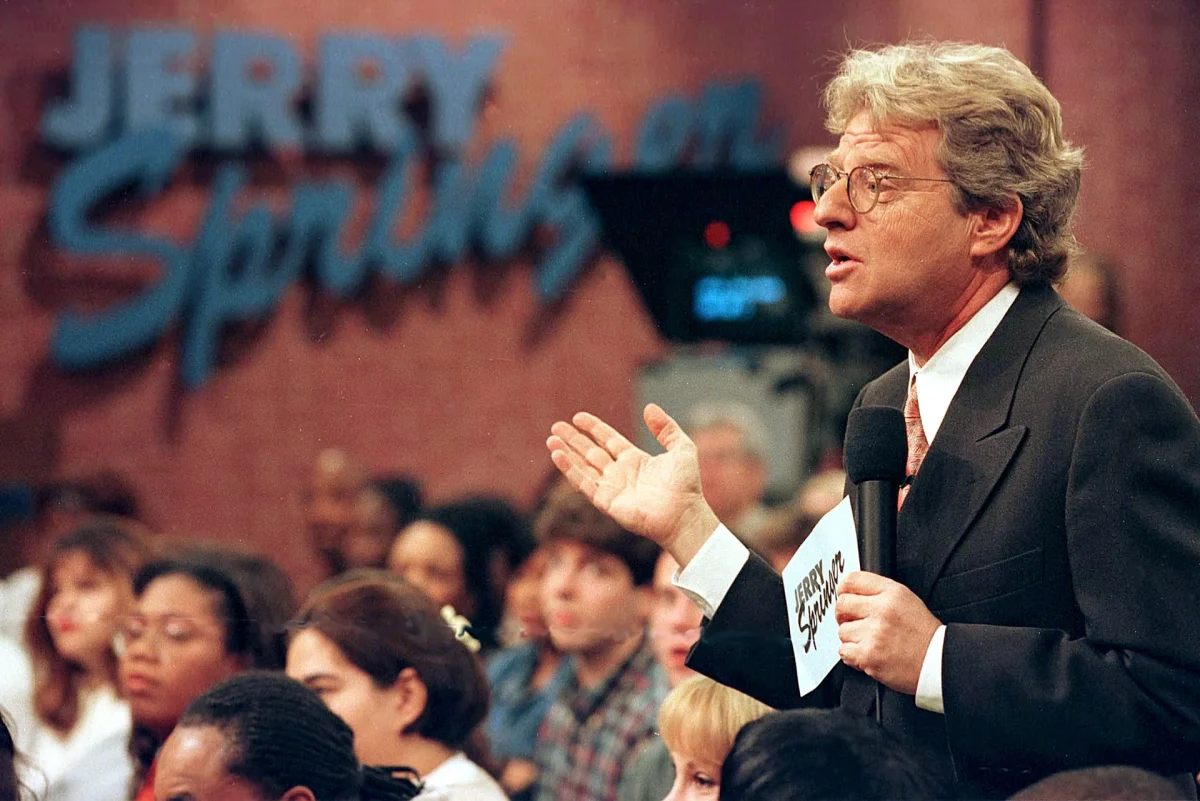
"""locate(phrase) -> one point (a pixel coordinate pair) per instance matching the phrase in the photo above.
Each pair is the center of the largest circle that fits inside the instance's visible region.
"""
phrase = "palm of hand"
(649, 495)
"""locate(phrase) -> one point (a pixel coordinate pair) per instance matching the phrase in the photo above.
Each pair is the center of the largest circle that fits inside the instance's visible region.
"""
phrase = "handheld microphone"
(875, 458)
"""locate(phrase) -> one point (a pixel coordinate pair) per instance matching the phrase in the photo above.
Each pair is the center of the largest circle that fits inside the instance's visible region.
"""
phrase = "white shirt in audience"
(91, 763)
(460, 779)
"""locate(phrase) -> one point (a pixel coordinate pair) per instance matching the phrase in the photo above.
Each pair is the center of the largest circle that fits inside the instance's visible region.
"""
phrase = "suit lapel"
(973, 446)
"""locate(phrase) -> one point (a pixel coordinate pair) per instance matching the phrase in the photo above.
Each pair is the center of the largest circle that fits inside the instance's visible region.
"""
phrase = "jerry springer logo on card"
(810, 583)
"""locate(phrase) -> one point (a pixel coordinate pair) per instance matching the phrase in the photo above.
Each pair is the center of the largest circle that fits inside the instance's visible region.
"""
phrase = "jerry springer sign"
(138, 105)
(810, 581)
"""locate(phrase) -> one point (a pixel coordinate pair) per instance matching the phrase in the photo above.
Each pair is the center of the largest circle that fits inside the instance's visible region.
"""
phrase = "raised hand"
(658, 497)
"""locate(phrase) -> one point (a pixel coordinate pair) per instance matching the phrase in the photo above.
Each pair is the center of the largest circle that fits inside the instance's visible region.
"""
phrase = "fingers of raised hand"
(602, 433)
(583, 445)
(579, 473)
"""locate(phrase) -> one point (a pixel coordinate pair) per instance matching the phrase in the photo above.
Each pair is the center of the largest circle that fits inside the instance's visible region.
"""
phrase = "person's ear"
(993, 228)
(298, 794)
(408, 698)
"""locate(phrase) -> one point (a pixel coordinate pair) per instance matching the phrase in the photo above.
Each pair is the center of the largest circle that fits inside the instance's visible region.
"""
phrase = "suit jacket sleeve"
(747, 644)
(1128, 691)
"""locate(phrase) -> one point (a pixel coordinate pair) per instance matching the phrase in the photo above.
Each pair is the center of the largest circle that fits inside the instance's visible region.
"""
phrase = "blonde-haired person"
(698, 722)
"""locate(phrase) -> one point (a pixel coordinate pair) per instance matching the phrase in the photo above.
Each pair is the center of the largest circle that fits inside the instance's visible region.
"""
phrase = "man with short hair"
(1051, 526)
(596, 596)
(329, 506)
(731, 443)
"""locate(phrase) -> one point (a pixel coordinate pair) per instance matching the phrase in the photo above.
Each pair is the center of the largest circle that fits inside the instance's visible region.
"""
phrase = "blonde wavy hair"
(1001, 135)
(701, 718)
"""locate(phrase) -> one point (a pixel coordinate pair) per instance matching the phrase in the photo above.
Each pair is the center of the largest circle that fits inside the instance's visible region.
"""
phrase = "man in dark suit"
(1048, 549)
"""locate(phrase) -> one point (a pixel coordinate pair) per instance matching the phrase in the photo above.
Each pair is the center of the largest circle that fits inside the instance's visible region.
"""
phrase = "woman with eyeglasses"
(191, 629)
(69, 720)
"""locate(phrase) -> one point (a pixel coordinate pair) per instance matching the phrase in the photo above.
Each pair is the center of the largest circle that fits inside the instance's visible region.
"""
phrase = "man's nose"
(561, 583)
(834, 209)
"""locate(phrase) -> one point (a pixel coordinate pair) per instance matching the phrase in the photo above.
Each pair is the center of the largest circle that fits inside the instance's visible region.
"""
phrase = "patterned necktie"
(918, 446)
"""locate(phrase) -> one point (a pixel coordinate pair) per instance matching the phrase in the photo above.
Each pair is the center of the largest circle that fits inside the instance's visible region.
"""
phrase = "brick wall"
(457, 379)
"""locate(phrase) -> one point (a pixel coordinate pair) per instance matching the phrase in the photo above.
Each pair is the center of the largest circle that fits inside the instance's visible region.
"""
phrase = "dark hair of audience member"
(117, 547)
(280, 735)
(104, 492)
(495, 539)
(9, 786)
(1104, 783)
(567, 515)
(267, 592)
(403, 494)
(811, 755)
(242, 634)
(383, 624)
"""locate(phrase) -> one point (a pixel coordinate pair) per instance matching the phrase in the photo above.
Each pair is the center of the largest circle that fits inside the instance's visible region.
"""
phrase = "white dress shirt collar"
(941, 376)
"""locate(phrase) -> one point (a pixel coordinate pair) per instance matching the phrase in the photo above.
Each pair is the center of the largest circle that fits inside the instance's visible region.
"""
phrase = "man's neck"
(593, 667)
(924, 344)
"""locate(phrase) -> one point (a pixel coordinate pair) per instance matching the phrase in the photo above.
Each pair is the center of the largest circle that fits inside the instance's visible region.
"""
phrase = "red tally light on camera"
(716, 234)
(802, 217)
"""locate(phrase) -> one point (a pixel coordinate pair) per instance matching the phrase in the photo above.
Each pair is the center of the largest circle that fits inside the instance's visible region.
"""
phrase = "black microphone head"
(876, 444)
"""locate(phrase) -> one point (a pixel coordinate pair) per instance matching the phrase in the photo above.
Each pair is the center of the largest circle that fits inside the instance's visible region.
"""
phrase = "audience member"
(820, 755)
(70, 724)
(262, 737)
(699, 720)
(267, 592)
(674, 628)
(191, 629)
(1104, 783)
(58, 509)
(380, 656)
(596, 596)
(462, 554)
(1091, 286)
(403, 495)
(372, 529)
(333, 490)
(525, 677)
(731, 443)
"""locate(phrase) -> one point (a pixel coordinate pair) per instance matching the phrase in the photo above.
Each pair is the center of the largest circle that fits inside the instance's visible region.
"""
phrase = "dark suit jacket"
(1054, 527)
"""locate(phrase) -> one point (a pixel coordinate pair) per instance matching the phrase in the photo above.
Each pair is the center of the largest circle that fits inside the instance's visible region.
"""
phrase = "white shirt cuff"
(929, 684)
(707, 578)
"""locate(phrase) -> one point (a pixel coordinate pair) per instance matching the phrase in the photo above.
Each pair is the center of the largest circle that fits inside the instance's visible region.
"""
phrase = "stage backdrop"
(452, 366)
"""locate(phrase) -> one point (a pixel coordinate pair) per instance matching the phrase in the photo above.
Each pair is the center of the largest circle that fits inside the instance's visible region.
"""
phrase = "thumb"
(663, 427)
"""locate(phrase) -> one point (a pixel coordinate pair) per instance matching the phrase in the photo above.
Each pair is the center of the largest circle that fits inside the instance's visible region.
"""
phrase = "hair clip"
(460, 625)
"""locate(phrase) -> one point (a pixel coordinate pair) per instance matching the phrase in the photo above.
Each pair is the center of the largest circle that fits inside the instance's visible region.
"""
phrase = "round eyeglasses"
(863, 184)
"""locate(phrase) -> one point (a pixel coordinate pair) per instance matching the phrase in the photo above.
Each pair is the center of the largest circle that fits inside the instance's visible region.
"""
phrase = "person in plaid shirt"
(597, 595)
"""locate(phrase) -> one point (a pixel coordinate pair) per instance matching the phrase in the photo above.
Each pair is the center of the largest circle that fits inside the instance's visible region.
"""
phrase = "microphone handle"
(877, 526)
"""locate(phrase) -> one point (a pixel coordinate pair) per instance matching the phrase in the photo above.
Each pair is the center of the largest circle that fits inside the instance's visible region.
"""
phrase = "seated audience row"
(140, 675)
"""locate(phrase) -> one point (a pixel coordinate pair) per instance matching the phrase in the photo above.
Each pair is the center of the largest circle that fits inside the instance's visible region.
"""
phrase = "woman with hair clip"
(192, 628)
(376, 651)
(69, 721)
(265, 737)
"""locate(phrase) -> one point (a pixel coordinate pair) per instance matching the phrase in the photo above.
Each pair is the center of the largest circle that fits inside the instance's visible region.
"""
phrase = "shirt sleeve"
(929, 684)
(707, 578)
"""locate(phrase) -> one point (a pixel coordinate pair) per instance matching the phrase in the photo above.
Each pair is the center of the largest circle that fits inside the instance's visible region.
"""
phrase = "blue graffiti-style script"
(135, 113)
